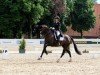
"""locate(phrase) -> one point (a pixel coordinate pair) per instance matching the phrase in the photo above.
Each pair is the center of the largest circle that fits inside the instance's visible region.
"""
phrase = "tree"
(59, 7)
(7, 18)
(65, 16)
(18, 16)
(62, 8)
(33, 11)
(82, 17)
(46, 17)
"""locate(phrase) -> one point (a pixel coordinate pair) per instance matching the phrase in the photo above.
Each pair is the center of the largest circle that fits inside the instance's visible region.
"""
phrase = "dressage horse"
(51, 41)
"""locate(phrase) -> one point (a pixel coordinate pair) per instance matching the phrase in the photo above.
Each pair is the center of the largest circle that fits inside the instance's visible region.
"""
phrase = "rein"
(47, 33)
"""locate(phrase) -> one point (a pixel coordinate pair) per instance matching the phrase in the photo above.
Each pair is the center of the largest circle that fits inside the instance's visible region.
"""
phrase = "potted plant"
(0, 50)
(22, 46)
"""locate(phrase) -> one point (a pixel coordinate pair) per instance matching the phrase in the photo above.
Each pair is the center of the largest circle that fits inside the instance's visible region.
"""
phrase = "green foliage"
(0, 51)
(82, 17)
(9, 18)
(18, 16)
(22, 46)
(65, 17)
(47, 14)
(69, 9)
(53, 10)
(63, 28)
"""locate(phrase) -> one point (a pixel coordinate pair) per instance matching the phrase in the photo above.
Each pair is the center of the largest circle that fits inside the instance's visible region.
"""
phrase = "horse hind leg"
(68, 51)
(63, 52)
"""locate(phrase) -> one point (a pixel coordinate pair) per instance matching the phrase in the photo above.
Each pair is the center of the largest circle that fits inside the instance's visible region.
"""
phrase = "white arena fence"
(37, 44)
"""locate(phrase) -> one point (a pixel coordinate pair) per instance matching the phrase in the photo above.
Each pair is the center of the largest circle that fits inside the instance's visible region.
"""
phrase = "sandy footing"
(27, 64)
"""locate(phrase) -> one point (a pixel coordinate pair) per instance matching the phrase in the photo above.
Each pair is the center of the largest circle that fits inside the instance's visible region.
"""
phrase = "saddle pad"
(61, 38)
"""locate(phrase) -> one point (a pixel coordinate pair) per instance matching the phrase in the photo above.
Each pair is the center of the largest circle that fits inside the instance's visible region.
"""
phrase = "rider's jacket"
(56, 26)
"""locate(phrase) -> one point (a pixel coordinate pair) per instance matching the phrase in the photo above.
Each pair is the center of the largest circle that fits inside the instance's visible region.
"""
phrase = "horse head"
(36, 30)
(44, 30)
(39, 28)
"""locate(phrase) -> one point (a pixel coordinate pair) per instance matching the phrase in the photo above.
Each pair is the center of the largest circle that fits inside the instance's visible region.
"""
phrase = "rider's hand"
(52, 28)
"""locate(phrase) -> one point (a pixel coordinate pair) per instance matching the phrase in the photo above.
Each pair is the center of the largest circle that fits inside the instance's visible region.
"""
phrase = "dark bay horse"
(51, 41)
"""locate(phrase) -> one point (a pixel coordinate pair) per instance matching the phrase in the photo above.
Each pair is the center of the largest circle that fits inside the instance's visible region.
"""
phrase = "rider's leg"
(61, 34)
(58, 35)
(55, 34)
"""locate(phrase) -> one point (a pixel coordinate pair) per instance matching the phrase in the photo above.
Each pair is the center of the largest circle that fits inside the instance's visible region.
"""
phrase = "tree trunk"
(30, 25)
(31, 31)
(81, 33)
(38, 34)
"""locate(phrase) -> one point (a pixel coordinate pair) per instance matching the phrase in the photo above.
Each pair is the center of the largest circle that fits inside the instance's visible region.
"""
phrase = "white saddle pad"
(61, 38)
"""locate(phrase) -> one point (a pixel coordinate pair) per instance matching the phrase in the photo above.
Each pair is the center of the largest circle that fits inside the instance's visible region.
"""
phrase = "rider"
(57, 27)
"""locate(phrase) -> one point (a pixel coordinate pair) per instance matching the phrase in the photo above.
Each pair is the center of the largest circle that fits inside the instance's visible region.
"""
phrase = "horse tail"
(75, 47)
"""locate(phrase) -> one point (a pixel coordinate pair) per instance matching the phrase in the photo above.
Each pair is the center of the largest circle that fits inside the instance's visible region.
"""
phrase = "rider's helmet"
(56, 19)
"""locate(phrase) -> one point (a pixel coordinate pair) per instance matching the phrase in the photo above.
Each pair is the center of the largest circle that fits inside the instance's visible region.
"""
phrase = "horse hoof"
(39, 58)
(58, 60)
(70, 61)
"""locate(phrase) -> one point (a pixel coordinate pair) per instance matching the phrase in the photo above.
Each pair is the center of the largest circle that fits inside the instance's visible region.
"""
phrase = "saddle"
(58, 35)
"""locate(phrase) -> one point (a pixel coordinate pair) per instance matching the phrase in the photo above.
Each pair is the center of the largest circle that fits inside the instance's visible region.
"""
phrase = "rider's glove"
(52, 28)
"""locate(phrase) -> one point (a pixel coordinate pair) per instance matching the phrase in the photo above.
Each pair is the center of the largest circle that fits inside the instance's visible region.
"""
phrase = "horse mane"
(44, 29)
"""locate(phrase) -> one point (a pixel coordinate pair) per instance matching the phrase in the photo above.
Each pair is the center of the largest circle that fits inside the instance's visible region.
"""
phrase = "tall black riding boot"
(58, 40)
(61, 35)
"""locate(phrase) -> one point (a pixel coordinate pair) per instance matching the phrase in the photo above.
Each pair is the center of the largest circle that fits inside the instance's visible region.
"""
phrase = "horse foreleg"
(41, 55)
(44, 50)
(68, 51)
(63, 52)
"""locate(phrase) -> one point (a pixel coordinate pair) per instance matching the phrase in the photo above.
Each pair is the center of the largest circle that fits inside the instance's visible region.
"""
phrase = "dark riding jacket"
(57, 26)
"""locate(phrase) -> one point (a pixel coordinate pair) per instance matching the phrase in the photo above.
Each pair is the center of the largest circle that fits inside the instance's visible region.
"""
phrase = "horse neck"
(49, 34)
